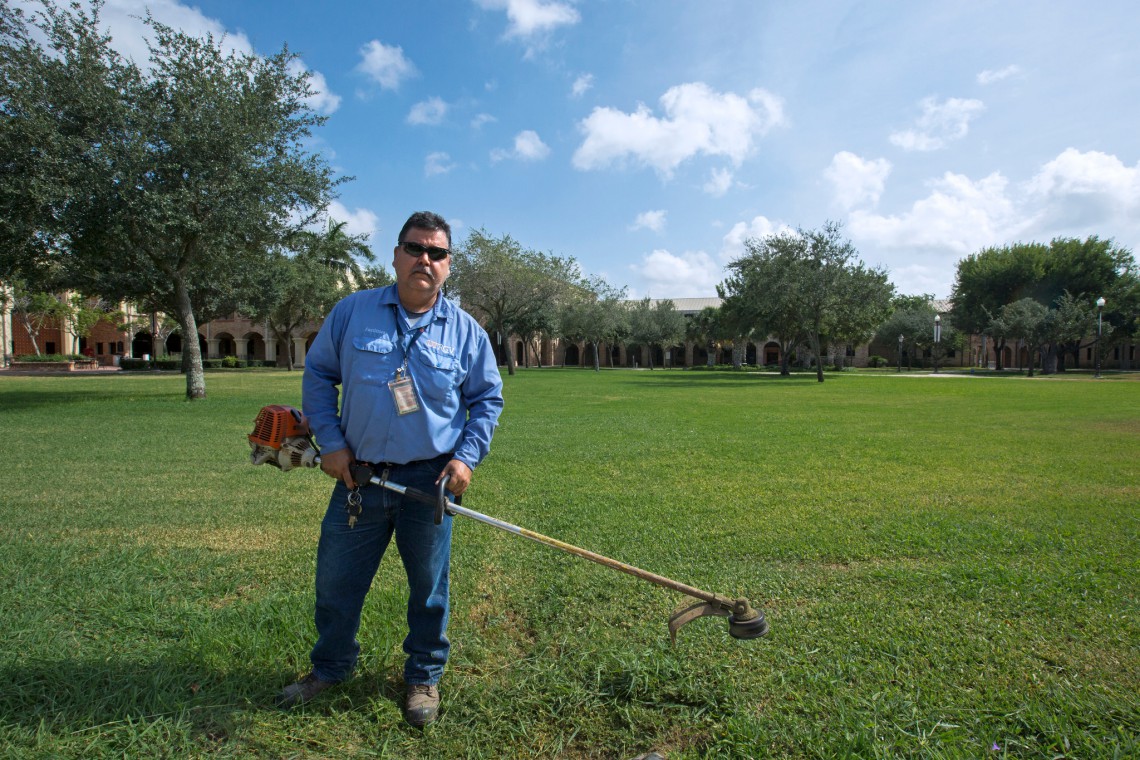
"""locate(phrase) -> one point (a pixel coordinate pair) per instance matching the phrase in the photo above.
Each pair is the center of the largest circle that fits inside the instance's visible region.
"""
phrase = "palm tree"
(338, 250)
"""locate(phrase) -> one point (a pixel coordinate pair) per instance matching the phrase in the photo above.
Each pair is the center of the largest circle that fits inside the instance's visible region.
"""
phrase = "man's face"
(420, 274)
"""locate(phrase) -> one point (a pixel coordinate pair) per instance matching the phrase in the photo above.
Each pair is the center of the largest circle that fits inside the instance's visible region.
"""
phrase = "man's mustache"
(428, 272)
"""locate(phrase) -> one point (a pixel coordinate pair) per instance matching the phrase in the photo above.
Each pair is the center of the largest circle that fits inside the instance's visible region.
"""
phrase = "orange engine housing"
(275, 423)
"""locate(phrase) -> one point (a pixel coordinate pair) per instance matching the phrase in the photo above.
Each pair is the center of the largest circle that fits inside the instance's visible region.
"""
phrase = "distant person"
(420, 399)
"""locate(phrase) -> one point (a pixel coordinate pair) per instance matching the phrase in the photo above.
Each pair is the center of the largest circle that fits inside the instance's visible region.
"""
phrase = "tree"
(655, 324)
(1027, 320)
(338, 250)
(706, 328)
(83, 315)
(596, 316)
(297, 289)
(994, 277)
(507, 286)
(909, 319)
(761, 291)
(171, 185)
(807, 286)
(375, 276)
(35, 309)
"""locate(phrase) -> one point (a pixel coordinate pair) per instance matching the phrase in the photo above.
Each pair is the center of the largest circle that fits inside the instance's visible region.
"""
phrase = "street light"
(1099, 311)
(900, 351)
(937, 340)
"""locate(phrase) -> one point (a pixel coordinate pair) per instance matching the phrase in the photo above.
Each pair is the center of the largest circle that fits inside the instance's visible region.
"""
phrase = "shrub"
(168, 364)
(876, 361)
(232, 362)
(51, 358)
(133, 365)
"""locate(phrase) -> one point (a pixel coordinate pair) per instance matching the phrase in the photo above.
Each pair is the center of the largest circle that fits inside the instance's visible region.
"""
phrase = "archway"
(141, 345)
(771, 352)
(572, 356)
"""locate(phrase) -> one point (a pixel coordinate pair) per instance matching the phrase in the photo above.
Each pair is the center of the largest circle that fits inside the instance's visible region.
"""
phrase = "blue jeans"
(347, 560)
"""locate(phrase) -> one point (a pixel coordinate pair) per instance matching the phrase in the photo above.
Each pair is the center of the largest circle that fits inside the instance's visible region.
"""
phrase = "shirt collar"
(442, 309)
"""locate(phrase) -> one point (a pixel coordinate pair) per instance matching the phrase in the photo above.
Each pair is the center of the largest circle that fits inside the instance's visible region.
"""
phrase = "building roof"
(689, 305)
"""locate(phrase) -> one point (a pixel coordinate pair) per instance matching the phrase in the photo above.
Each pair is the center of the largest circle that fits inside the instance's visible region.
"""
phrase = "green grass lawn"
(949, 567)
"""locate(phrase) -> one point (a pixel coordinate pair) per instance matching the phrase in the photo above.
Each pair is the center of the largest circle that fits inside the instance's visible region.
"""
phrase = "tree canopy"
(510, 288)
(171, 184)
(807, 287)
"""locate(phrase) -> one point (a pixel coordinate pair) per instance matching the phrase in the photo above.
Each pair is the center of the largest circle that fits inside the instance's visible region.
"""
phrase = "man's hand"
(460, 476)
(337, 465)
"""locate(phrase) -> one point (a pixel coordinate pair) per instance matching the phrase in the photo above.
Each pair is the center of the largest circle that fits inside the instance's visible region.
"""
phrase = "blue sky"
(648, 138)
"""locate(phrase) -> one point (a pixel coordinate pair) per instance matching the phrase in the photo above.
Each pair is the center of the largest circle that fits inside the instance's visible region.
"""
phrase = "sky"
(648, 139)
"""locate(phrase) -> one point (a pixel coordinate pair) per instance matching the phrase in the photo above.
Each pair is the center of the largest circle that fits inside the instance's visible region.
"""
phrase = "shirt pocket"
(374, 358)
(438, 373)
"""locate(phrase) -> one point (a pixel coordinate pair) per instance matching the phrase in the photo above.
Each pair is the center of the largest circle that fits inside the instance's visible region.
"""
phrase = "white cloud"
(359, 221)
(123, 20)
(528, 147)
(322, 100)
(385, 64)
(532, 17)
(581, 85)
(857, 181)
(690, 275)
(989, 76)
(959, 215)
(732, 247)
(719, 182)
(437, 163)
(696, 121)
(650, 220)
(939, 124)
(430, 112)
(1078, 190)
(481, 119)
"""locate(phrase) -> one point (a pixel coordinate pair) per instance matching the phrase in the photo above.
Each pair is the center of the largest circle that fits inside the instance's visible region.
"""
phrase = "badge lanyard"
(402, 388)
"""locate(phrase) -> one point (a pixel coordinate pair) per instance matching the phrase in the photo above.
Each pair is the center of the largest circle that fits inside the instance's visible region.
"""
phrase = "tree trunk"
(195, 377)
(597, 367)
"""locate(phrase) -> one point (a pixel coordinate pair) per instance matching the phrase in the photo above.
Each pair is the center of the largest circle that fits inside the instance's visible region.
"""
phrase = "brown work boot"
(422, 705)
(302, 691)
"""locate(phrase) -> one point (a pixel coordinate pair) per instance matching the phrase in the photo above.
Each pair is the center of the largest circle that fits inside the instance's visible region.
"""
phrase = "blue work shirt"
(360, 348)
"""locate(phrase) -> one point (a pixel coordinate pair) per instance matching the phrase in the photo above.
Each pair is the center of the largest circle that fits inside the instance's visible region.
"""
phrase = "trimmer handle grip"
(441, 499)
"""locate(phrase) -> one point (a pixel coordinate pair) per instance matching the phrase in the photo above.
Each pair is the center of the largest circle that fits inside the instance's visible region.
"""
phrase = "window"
(850, 350)
(50, 347)
(1088, 353)
(98, 348)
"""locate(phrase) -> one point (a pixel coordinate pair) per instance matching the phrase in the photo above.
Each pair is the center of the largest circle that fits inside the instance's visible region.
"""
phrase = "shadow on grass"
(79, 696)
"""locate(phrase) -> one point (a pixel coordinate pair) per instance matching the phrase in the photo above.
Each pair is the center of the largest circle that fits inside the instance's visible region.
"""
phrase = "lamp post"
(900, 351)
(1099, 323)
(937, 340)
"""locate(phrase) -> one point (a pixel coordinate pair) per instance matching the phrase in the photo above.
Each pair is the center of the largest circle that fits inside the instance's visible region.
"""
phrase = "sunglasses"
(417, 250)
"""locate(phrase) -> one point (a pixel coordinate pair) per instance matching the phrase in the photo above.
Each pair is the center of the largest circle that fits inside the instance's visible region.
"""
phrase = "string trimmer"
(281, 438)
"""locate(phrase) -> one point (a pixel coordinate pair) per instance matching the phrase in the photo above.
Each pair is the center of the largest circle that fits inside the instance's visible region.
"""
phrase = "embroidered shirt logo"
(428, 343)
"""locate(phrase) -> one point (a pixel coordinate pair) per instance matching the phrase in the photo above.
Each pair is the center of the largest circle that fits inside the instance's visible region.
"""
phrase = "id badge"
(404, 394)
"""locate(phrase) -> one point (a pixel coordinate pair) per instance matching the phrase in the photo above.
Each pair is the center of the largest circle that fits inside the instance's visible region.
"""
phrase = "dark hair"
(426, 220)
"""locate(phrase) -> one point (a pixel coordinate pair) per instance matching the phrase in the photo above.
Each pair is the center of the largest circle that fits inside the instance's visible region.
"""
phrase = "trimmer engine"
(281, 438)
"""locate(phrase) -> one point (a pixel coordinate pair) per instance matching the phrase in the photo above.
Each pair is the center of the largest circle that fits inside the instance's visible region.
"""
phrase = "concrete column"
(212, 345)
(299, 352)
(242, 347)
(271, 348)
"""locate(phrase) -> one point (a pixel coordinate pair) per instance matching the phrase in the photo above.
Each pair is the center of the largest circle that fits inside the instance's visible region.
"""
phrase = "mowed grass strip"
(949, 565)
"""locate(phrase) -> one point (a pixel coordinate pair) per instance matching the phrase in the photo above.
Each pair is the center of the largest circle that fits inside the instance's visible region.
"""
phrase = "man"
(420, 398)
